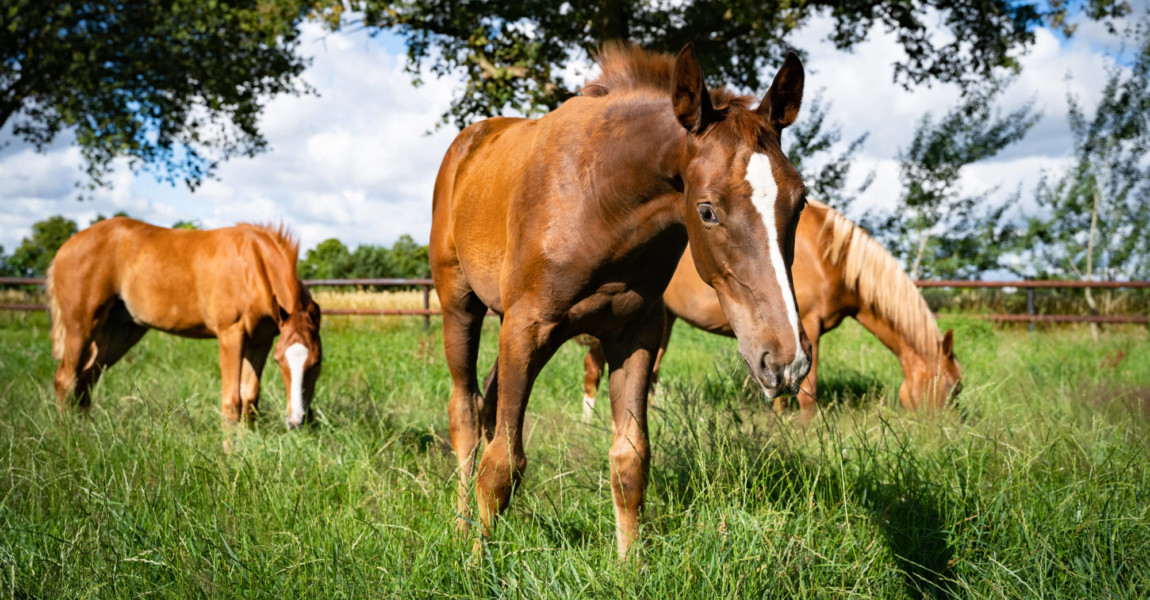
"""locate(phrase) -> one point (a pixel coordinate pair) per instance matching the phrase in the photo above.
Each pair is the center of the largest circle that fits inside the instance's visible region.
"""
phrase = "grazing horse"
(839, 271)
(573, 223)
(115, 280)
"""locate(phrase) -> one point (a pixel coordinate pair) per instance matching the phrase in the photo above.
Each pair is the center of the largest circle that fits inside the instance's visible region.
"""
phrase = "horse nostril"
(770, 371)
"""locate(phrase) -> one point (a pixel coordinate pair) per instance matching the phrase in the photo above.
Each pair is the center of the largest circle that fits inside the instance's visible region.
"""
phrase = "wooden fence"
(426, 312)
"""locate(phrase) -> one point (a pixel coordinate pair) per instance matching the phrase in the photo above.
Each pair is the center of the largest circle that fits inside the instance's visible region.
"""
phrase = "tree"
(935, 230)
(32, 257)
(332, 260)
(182, 224)
(173, 85)
(6, 269)
(828, 183)
(511, 53)
(409, 259)
(329, 260)
(1097, 213)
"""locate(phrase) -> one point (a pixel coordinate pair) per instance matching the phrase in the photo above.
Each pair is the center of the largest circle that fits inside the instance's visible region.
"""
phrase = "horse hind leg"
(87, 356)
(593, 365)
(255, 355)
(115, 336)
(462, 322)
(74, 356)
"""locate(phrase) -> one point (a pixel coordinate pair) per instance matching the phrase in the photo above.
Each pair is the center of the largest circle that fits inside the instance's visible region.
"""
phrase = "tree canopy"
(1095, 215)
(173, 85)
(512, 53)
(32, 257)
(935, 229)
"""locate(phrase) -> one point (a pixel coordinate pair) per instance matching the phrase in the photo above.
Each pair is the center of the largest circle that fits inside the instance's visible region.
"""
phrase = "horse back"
(190, 283)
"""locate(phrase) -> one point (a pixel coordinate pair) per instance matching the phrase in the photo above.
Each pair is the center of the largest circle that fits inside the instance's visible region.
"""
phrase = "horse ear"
(281, 314)
(780, 107)
(948, 343)
(689, 95)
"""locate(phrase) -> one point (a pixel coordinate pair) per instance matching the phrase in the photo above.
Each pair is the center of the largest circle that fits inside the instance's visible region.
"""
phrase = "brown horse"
(573, 223)
(115, 280)
(839, 272)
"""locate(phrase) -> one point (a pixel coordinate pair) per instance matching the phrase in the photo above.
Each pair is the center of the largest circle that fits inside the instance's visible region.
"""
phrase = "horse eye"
(707, 213)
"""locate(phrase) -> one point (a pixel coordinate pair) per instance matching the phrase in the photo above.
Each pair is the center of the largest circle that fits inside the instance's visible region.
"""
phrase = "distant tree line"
(331, 259)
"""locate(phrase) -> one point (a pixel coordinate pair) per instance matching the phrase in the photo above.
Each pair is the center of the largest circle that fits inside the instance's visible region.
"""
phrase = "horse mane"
(871, 271)
(626, 67)
(285, 242)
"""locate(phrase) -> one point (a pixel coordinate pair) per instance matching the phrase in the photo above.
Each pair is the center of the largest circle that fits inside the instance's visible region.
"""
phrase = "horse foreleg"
(525, 345)
(231, 369)
(632, 357)
(808, 390)
(592, 372)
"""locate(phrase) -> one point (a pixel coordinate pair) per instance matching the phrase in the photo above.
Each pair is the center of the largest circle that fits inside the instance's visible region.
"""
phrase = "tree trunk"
(1098, 185)
(918, 256)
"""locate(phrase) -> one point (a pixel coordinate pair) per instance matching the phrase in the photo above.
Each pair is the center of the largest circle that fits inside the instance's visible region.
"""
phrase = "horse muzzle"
(777, 378)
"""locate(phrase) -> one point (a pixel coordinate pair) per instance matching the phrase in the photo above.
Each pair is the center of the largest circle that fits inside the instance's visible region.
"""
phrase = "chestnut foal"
(115, 280)
(573, 223)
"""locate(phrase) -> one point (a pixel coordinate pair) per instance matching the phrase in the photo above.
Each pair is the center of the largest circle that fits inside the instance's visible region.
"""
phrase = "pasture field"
(1038, 486)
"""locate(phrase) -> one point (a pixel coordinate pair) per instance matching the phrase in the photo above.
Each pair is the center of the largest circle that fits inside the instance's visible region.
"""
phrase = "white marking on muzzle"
(296, 356)
(764, 194)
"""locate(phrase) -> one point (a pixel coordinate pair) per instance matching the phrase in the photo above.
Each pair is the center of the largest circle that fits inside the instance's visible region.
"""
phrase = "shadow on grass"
(707, 449)
(910, 515)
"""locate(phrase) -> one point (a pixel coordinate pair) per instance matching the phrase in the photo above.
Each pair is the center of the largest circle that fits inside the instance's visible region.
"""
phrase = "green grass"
(1038, 486)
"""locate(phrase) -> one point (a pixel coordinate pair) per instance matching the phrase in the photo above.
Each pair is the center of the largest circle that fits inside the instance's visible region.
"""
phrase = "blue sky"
(355, 162)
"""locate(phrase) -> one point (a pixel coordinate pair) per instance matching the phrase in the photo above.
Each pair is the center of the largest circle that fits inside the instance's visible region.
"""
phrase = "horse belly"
(167, 303)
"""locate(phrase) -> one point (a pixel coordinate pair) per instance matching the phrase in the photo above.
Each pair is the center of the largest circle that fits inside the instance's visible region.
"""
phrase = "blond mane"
(870, 270)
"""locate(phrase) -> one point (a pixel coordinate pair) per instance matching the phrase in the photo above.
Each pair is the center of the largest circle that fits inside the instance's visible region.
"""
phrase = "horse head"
(742, 204)
(300, 356)
(935, 381)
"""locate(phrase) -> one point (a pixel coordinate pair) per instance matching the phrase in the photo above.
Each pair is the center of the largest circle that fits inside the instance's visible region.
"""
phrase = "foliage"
(1037, 488)
(173, 85)
(511, 54)
(332, 260)
(827, 183)
(194, 224)
(101, 217)
(935, 230)
(1096, 214)
(34, 254)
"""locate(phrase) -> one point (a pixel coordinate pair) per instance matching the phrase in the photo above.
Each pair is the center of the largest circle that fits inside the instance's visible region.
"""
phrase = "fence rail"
(426, 312)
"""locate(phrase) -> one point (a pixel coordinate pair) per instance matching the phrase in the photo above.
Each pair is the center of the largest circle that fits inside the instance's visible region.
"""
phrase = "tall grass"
(1037, 485)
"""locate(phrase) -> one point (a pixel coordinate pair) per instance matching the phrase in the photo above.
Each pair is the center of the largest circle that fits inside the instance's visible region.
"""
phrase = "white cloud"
(354, 162)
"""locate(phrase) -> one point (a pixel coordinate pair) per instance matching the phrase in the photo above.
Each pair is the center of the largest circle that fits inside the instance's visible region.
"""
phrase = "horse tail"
(58, 333)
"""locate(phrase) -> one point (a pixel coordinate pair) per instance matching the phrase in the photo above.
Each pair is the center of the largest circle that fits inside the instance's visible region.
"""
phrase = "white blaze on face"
(764, 193)
(296, 356)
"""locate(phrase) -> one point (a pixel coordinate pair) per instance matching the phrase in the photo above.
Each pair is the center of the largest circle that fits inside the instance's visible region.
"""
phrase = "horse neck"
(897, 341)
(635, 175)
(280, 278)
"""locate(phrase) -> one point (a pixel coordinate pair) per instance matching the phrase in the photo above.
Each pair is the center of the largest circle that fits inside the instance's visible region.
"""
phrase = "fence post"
(1030, 306)
(426, 306)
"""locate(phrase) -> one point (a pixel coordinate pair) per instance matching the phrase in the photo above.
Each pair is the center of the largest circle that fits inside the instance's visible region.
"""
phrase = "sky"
(358, 160)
